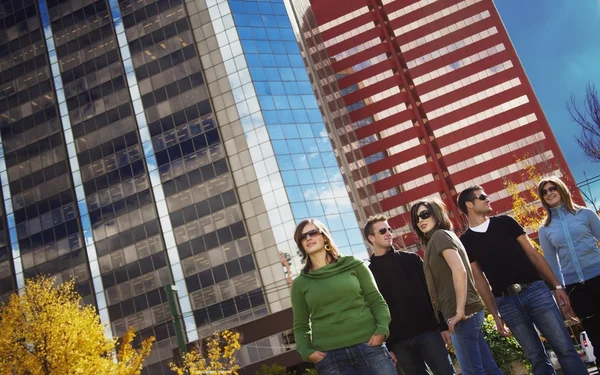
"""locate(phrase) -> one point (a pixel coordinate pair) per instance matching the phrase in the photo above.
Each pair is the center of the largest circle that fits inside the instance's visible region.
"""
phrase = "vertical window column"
(259, 142)
(75, 171)
(157, 188)
(10, 219)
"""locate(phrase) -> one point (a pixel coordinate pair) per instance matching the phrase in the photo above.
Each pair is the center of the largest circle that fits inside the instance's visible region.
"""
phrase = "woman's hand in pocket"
(316, 357)
(376, 340)
(459, 317)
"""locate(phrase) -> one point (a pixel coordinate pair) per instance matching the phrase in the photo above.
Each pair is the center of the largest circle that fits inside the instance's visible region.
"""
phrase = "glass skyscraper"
(292, 121)
(154, 142)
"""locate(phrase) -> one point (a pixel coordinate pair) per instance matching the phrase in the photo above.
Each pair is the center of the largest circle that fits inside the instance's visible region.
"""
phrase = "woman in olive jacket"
(452, 287)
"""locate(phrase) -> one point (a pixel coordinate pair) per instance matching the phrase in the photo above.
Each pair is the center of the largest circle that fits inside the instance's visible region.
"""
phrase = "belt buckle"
(514, 289)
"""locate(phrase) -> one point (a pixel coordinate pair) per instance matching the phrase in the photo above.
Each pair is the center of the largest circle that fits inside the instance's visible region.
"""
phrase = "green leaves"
(505, 350)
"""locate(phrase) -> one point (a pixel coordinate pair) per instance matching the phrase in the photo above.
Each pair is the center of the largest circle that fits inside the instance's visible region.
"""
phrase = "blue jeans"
(471, 349)
(427, 348)
(535, 305)
(360, 359)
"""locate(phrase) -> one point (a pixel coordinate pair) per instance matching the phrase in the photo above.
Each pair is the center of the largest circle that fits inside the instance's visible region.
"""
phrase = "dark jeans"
(427, 349)
(585, 300)
(360, 359)
(535, 305)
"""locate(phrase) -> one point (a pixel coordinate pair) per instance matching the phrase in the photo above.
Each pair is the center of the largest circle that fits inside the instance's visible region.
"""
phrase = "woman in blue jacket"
(569, 238)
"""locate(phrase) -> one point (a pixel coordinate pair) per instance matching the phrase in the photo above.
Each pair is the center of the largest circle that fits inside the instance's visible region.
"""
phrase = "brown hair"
(466, 196)
(565, 196)
(368, 229)
(438, 212)
(332, 254)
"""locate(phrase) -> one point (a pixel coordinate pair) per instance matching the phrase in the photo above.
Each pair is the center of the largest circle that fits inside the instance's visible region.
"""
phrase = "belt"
(514, 289)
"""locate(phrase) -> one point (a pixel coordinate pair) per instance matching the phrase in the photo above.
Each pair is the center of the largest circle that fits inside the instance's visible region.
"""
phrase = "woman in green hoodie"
(340, 318)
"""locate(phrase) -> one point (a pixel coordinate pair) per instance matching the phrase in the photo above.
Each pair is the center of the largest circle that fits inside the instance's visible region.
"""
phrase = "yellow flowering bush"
(217, 358)
(525, 207)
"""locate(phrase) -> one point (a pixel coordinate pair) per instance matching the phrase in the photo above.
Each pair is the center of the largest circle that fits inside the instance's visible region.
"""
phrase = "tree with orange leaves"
(526, 208)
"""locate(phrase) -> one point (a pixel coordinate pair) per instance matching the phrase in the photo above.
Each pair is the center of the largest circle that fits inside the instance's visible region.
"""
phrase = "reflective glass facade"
(200, 215)
(113, 169)
(123, 234)
(7, 273)
(301, 145)
(45, 234)
(280, 152)
(154, 142)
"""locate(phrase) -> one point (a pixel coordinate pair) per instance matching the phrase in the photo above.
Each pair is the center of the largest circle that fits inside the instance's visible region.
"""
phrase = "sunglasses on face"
(424, 215)
(481, 197)
(551, 189)
(310, 233)
(382, 231)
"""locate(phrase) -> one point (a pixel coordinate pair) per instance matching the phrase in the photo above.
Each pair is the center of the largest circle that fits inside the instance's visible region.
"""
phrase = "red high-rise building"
(423, 98)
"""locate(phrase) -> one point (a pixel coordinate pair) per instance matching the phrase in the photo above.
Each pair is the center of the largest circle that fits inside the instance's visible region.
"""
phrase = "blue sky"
(558, 42)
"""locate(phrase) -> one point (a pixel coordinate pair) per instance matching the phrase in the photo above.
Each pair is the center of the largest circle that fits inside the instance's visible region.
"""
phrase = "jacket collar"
(387, 254)
(562, 208)
(430, 233)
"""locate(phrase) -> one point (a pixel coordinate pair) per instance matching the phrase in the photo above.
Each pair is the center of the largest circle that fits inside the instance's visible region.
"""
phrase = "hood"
(343, 264)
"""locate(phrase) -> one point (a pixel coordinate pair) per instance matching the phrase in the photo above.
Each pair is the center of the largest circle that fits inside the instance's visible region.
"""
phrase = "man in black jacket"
(416, 339)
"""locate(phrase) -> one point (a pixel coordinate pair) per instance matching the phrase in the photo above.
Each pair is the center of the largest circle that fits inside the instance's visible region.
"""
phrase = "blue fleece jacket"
(569, 244)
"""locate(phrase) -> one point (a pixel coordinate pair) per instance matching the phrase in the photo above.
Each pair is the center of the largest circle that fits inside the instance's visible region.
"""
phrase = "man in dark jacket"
(416, 339)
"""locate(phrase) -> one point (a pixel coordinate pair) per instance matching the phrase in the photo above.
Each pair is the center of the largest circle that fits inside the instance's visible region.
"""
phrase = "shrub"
(274, 369)
(505, 350)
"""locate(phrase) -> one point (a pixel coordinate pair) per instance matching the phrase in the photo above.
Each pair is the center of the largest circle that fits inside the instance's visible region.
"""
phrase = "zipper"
(570, 245)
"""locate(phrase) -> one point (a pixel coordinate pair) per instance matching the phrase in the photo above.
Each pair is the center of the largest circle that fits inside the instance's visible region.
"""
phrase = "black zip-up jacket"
(401, 281)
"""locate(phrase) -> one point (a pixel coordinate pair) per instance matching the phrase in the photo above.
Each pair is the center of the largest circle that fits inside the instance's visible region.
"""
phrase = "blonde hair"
(565, 196)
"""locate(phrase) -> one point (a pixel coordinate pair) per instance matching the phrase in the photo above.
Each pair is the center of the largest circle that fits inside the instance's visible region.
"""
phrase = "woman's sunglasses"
(551, 189)
(424, 215)
(310, 233)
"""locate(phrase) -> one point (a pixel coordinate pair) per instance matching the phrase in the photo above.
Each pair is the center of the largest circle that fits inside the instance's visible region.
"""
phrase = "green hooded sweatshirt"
(337, 306)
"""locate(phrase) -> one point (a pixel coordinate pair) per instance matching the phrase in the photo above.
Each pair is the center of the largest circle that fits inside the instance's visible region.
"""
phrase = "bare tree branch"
(588, 196)
(588, 119)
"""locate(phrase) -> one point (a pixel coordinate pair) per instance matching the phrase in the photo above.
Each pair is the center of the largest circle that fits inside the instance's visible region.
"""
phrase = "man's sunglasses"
(551, 189)
(382, 231)
(481, 197)
(310, 233)
(424, 215)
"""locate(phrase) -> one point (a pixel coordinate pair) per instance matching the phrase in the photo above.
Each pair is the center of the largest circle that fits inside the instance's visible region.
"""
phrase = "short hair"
(439, 212)
(368, 228)
(466, 196)
(332, 255)
(565, 196)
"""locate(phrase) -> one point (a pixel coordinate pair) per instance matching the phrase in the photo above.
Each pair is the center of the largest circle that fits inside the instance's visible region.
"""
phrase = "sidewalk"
(591, 370)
